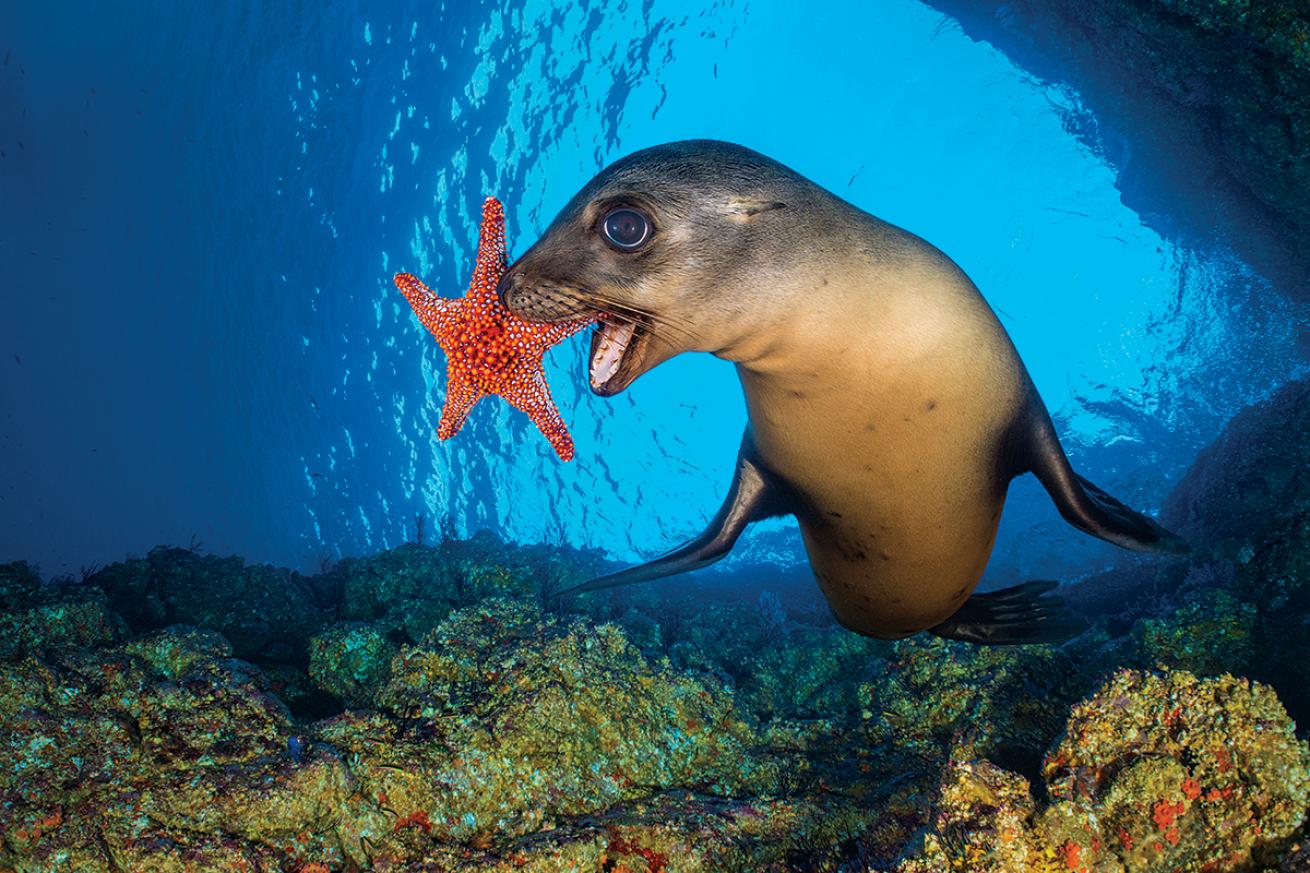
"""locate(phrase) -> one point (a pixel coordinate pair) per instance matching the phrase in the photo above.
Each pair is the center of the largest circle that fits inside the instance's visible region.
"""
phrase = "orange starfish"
(490, 350)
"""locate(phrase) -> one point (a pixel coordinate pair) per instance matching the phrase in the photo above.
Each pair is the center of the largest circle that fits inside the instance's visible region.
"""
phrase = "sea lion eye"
(625, 228)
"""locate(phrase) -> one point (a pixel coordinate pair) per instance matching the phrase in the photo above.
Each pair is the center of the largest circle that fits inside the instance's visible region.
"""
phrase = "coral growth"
(936, 697)
(1182, 771)
(1155, 772)
(351, 660)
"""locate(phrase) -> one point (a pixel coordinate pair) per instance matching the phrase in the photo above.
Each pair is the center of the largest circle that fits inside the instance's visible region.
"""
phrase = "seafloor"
(435, 708)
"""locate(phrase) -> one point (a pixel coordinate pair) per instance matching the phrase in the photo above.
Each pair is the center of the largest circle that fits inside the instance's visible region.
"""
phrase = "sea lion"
(888, 408)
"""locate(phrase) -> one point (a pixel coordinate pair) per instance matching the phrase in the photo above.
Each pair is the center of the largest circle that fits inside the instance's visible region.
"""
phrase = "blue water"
(201, 210)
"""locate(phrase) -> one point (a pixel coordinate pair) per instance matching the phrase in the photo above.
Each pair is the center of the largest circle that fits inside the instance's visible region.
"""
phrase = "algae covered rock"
(811, 671)
(160, 754)
(509, 718)
(1245, 503)
(1154, 772)
(936, 695)
(1214, 633)
(34, 616)
(511, 738)
(412, 588)
(175, 649)
(1182, 771)
(264, 612)
(289, 805)
(1251, 486)
(981, 824)
(352, 661)
(670, 833)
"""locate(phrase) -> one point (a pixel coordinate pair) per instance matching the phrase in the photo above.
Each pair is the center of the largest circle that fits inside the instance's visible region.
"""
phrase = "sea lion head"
(671, 248)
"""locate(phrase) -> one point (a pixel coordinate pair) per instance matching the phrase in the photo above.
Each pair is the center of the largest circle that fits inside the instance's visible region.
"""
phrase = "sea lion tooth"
(614, 342)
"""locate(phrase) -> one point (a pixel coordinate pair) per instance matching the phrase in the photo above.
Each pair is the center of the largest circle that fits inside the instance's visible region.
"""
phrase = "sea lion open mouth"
(617, 349)
(618, 344)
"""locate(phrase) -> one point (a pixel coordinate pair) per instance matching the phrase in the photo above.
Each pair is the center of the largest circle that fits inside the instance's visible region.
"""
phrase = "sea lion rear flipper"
(1086, 506)
(1027, 613)
(751, 497)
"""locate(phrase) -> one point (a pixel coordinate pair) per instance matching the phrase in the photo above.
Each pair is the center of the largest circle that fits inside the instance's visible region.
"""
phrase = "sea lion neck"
(814, 300)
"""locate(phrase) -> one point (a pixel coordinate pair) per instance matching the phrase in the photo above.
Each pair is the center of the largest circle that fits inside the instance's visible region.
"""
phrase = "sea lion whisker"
(567, 299)
(654, 324)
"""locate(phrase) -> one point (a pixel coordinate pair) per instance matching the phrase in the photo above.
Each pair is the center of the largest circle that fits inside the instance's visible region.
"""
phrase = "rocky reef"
(1202, 106)
(437, 708)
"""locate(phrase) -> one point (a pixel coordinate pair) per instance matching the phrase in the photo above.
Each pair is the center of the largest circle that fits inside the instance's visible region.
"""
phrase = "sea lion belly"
(897, 470)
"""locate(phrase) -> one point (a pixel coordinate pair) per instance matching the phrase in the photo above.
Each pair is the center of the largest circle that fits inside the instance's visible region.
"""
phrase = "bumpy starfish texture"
(490, 350)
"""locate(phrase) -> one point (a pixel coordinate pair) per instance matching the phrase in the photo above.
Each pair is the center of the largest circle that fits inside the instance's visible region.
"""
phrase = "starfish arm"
(432, 309)
(461, 395)
(491, 259)
(565, 329)
(532, 397)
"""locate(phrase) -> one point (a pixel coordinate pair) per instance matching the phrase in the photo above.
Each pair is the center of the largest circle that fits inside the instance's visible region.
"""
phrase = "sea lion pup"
(888, 407)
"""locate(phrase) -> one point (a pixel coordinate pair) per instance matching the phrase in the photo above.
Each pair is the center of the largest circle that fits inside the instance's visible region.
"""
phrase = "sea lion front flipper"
(1082, 503)
(751, 497)
(1027, 613)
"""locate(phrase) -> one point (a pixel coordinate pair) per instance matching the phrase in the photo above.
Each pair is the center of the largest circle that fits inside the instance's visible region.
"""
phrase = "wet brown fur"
(882, 390)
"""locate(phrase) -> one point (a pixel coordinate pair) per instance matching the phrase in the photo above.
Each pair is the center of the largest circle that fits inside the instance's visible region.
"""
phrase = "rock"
(1180, 771)
(1214, 633)
(351, 661)
(1250, 487)
(811, 671)
(266, 613)
(1245, 503)
(981, 824)
(938, 698)
(34, 616)
(1155, 772)
(174, 650)
(737, 737)
(409, 590)
(1202, 106)
(509, 719)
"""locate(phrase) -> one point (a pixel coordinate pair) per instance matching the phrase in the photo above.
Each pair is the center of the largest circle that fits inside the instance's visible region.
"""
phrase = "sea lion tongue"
(608, 353)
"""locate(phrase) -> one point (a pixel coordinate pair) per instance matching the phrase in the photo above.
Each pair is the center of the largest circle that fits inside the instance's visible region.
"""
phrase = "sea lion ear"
(744, 210)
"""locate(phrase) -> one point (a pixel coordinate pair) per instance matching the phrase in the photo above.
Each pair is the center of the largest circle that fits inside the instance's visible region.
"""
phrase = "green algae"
(512, 738)
(352, 661)
(1154, 772)
(35, 616)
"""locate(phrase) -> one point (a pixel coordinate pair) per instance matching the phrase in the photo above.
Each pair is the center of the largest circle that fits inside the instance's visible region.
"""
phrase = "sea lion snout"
(540, 299)
(621, 346)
